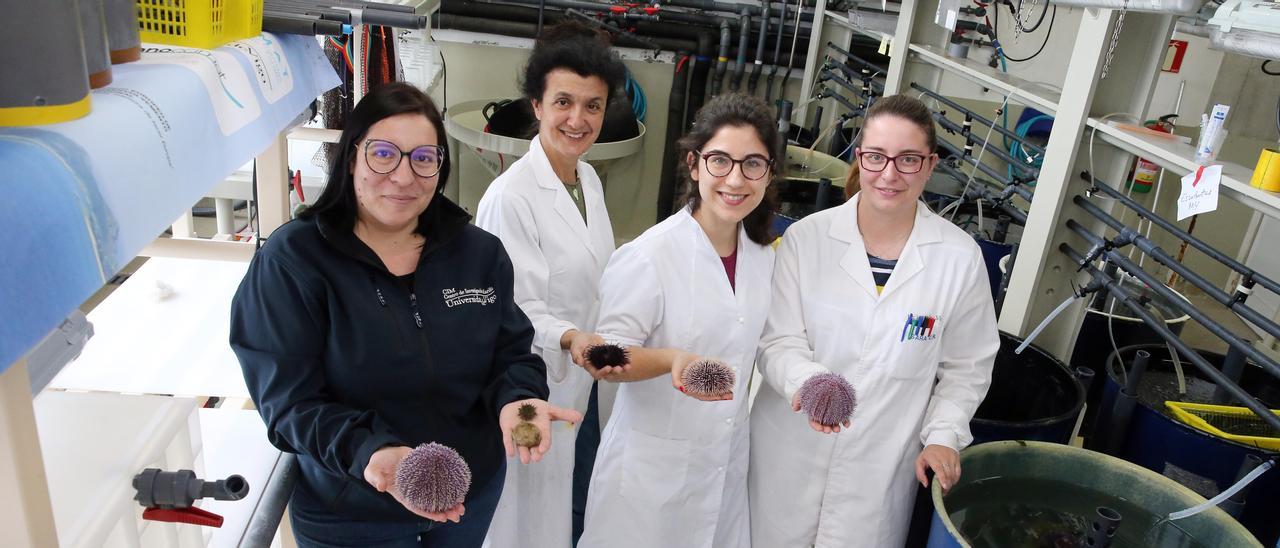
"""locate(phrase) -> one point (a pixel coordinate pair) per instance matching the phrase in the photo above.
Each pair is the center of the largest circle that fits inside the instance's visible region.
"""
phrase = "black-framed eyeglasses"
(384, 157)
(904, 163)
(719, 164)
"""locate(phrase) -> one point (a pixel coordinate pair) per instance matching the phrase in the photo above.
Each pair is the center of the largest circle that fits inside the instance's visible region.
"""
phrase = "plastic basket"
(203, 24)
(1238, 424)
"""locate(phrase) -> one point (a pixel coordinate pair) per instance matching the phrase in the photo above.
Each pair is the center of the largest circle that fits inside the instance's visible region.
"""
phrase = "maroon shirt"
(730, 267)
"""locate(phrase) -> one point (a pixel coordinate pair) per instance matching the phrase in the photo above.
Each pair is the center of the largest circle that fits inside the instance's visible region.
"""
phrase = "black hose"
(744, 37)
(777, 52)
(759, 61)
(667, 188)
(722, 62)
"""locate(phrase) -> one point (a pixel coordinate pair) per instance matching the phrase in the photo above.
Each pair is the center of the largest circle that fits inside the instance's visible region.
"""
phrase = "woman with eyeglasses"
(379, 320)
(549, 211)
(894, 298)
(672, 470)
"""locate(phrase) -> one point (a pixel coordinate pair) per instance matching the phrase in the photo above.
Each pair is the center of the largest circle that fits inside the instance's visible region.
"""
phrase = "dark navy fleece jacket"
(341, 359)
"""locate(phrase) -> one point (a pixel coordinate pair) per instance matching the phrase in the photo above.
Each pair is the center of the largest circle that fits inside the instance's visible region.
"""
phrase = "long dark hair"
(337, 204)
(902, 106)
(576, 47)
(735, 109)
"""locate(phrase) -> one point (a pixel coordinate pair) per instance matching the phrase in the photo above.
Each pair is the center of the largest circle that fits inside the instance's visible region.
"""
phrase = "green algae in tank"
(1030, 513)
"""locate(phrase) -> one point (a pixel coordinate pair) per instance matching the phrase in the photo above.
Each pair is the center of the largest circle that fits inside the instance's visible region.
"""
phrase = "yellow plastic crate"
(1238, 424)
(203, 24)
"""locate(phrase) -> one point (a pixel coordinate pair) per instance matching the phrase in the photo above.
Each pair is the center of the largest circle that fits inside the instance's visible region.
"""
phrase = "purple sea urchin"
(433, 478)
(827, 398)
(607, 355)
(708, 378)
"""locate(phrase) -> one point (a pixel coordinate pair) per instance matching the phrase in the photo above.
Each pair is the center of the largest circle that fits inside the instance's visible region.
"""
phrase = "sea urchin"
(433, 478)
(828, 399)
(607, 355)
(708, 378)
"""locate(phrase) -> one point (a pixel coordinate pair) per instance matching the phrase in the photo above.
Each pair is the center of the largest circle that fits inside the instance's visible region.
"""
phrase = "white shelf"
(1027, 92)
(873, 25)
(1178, 158)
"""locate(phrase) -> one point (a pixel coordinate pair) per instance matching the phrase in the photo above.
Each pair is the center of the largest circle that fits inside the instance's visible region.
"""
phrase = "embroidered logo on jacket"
(919, 328)
(454, 297)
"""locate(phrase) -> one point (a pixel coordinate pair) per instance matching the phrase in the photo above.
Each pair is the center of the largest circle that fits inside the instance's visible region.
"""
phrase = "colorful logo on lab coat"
(919, 327)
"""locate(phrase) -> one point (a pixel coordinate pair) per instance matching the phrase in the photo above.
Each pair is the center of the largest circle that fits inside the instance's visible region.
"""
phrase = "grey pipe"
(362, 14)
(1233, 368)
(759, 60)
(1250, 275)
(832, 46)
(265, 520)
(744, 37)
(1011, 135)
(1121, 413)
(959, 154)
(1157, 325)
(122, 30)
(996, 150)
(1179, 304)
(712, 5)
(722, 62)
(1161, 256)
(1234, 505)
(93, 31)
(777, 51)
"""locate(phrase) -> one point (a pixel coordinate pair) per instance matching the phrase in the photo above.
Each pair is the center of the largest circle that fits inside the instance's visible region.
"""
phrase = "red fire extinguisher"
(1145, 172)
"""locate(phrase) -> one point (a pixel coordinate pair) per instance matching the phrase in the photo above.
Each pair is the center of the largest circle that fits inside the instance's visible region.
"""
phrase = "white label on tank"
(270, 66)
(234, 103)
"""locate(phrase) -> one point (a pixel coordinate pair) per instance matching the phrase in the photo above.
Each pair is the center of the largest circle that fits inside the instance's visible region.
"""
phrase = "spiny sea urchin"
(828, 398)
(607, 355)
(708, 378)
(433, 478)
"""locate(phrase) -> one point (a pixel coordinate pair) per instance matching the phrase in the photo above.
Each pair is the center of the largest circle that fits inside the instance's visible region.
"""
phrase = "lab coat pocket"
(914, 358)
(653, 468)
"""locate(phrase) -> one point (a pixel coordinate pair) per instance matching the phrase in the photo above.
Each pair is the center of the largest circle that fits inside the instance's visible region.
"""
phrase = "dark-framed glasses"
(384, 157)
(904, 163)
(719, 164)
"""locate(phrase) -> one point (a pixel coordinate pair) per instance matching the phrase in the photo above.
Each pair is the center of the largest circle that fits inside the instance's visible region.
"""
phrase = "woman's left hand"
(546, 414)
(945, 463)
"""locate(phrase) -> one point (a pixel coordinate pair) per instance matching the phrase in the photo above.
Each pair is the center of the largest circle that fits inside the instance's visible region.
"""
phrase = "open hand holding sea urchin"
(433, 478)
(526, 434)
(607, 355)
(827, 398)
(708, 378)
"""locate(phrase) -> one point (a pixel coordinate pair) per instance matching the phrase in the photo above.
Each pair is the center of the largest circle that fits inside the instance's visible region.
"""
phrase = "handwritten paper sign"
(1199, 191)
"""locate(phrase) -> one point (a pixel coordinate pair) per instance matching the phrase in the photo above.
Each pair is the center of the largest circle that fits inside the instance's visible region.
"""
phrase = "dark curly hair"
(573, 46)
(337, 204)
(735, 109)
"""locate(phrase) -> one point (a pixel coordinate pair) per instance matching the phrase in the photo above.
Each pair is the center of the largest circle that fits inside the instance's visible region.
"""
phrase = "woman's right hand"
(577, 342)
(381, 474)
(679, 363)
(815, 425)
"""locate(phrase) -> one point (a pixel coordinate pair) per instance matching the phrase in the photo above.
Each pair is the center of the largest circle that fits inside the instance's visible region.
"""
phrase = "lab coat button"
(728, 421)
(720, 469)
(742, 319)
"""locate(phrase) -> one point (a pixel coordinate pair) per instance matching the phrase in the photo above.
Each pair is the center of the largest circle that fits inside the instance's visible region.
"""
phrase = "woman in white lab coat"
(916, 336)
(548, 209)
(672, 470)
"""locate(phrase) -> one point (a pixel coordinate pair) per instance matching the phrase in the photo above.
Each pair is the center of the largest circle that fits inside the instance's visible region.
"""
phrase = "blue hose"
(639, 105)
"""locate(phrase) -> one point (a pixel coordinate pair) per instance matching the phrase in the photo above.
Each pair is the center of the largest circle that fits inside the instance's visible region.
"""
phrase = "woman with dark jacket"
(380, 320)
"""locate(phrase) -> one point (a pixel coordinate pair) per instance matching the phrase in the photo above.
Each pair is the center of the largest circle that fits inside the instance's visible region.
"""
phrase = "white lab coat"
(915, 387)
(672, 470)
(558, 261)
